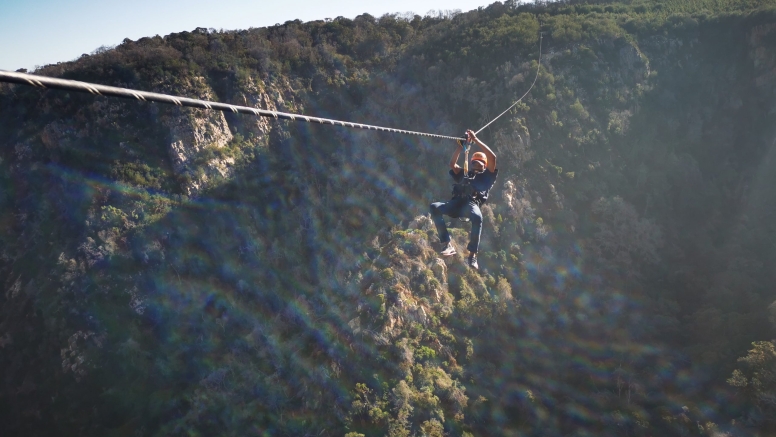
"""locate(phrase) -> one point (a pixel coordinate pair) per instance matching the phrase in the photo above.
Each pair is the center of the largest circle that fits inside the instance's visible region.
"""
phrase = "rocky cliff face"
(197, 135)
(191, 133)
(167, 271)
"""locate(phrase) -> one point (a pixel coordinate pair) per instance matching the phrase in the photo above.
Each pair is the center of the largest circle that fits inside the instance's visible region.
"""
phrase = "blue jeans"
(458, 208)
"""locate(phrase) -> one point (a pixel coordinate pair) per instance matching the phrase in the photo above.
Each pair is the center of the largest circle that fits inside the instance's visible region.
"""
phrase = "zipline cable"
(102, 90)
(538, 66)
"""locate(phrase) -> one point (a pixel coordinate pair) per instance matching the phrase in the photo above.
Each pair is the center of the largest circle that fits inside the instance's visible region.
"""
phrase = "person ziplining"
(471, 187)
(470, 192)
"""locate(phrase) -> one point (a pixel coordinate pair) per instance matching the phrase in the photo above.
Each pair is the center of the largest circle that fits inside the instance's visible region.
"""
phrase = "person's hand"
(471, 136)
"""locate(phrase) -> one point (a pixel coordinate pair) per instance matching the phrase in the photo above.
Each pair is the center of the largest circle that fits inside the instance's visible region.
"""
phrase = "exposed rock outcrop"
(192, 133)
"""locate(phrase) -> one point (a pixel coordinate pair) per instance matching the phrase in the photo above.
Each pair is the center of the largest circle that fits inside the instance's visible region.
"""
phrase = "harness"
(464, 189)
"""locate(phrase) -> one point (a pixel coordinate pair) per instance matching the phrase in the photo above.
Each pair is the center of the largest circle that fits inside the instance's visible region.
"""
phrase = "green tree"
(756, 380)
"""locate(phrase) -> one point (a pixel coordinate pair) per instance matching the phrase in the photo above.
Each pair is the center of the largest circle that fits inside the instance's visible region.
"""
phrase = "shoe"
(473, 261)
(449, 250)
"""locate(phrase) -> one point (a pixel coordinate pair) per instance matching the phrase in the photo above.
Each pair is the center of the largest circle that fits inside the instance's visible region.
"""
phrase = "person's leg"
(475, 215)
(438, 209)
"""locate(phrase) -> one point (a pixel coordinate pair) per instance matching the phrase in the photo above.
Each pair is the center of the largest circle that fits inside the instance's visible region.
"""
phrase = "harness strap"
(466, 147)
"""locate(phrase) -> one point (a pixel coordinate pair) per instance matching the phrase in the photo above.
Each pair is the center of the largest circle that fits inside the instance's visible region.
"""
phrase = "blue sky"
(40, 32)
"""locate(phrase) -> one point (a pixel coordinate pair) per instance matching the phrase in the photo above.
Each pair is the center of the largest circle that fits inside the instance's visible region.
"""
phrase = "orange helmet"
(479, 156)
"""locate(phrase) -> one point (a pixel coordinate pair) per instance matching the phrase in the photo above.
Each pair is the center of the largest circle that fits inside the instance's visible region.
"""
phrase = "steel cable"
(102, 90)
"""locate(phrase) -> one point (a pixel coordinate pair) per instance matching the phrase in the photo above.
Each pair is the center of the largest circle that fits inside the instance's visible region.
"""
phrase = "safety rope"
(539, 64)
(102, 90)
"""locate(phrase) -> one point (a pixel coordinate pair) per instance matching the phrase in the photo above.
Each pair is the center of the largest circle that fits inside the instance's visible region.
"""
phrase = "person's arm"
(485, 149)
(454, 159)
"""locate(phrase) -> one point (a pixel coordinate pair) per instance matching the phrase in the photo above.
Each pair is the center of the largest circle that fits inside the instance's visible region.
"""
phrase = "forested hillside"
(168, 271)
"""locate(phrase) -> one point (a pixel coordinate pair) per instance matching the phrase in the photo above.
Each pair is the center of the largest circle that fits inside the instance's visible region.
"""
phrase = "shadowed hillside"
(173, 271)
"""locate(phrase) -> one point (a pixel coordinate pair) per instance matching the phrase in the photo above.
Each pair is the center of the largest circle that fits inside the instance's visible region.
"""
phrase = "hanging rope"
(466, 145)
(102, 90)
(526, 93)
